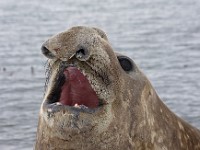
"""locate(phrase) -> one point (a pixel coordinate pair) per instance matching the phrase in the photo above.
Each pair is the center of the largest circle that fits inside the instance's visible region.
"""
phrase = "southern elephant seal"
(97, 99)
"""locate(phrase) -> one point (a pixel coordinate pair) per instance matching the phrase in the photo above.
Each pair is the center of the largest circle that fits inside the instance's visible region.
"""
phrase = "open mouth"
(72, 89)
(77, 90)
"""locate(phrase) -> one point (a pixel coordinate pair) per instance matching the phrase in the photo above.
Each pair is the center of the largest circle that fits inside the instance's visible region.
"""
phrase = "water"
(161, 36)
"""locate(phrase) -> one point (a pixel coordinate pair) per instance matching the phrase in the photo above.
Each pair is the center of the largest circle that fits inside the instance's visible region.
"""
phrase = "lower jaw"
(57, 107)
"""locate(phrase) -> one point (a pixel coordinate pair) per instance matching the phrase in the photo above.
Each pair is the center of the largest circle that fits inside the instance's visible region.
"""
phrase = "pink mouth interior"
(77, 90)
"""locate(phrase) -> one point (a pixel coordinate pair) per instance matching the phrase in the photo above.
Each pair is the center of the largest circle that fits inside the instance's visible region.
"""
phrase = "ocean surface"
(162, 37)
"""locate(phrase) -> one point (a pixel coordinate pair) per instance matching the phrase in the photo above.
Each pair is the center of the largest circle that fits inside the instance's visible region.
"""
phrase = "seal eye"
(125, 63)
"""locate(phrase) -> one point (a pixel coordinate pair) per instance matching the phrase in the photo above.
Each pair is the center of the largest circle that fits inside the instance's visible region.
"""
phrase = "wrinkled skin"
(132, 116)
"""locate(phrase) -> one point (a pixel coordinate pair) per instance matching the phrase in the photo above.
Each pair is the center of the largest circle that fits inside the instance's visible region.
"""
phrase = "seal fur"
(130, 116)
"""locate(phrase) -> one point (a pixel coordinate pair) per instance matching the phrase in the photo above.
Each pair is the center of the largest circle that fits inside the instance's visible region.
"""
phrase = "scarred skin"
(132, 117)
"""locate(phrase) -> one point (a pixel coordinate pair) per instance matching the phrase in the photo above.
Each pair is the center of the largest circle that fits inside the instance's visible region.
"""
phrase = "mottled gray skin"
(132, 118)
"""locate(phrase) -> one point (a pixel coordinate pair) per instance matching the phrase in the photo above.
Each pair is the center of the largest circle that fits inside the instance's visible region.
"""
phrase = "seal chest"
(96, 98)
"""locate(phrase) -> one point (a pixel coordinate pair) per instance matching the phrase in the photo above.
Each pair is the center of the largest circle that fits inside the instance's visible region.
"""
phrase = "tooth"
(58, 103)
(76, 105)
(49, 110)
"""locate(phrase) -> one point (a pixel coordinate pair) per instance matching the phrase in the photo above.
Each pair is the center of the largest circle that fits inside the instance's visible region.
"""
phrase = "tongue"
(77, 90)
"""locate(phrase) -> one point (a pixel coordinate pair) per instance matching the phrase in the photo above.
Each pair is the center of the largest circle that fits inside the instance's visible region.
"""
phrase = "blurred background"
(162, 37)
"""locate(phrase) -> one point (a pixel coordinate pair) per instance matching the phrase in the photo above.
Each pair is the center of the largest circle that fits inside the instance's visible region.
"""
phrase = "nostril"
(47, 52)
(82, 54)
(44, 50)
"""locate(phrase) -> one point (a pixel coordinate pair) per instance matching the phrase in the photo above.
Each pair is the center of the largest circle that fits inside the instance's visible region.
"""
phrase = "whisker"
(48, 71)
